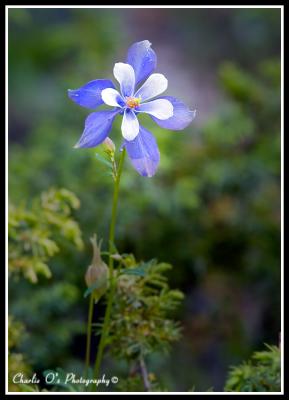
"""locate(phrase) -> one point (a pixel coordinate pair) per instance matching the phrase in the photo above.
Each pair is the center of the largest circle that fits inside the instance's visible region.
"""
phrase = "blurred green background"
(213, 208)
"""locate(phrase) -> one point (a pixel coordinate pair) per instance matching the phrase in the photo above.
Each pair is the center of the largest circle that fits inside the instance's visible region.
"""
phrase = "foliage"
(262, 373)
(35, 234)
(31, 232)
(141, 322)
(16, 360)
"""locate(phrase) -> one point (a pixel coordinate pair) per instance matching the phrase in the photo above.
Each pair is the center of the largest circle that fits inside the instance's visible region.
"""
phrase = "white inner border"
(282, 205)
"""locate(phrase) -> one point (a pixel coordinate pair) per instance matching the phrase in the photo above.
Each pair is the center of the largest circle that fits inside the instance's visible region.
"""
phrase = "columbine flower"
(168, 112)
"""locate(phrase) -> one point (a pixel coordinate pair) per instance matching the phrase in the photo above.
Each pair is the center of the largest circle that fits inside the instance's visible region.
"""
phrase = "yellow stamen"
(133, 102)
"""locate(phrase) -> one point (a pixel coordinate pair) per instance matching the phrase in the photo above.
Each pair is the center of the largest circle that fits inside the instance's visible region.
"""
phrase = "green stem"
(88, 337)
(105, 327)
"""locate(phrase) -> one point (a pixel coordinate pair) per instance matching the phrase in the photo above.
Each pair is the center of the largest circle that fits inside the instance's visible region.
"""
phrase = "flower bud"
(109, 146)
(97, 272)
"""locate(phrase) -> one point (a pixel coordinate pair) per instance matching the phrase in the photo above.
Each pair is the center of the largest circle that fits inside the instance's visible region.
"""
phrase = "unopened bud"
(97, 272)
(109, 146)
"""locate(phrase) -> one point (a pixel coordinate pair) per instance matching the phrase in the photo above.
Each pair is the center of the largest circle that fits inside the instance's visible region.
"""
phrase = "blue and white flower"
(168, 112)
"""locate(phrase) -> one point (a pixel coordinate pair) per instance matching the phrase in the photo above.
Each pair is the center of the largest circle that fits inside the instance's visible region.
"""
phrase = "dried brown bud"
(97, 273)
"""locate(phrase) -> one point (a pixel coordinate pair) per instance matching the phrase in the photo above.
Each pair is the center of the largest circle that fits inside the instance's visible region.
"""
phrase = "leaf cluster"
(36, 232)
(262, 373)
(141, 321)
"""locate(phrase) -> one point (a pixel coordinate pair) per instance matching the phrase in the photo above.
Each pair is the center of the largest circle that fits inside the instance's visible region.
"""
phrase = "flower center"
(133, 102)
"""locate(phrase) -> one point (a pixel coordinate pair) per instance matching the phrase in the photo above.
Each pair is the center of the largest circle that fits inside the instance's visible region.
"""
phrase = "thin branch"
(144, 374)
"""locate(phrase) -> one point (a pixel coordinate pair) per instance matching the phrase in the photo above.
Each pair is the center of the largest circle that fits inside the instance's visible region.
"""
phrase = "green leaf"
(103, 160)
(26, 388)
(94, 286)
(133, 271)
(141, 270)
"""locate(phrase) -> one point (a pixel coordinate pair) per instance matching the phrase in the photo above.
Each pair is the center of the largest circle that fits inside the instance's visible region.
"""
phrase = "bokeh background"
(213, 208)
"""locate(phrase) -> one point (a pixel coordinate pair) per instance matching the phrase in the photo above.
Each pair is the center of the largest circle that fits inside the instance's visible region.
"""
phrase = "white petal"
(111, 97)
(160, 108)
(130, 125)
(153, 86)
(124, 74)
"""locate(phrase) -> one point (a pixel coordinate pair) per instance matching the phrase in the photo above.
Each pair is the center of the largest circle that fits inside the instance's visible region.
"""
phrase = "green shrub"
(262, 373)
